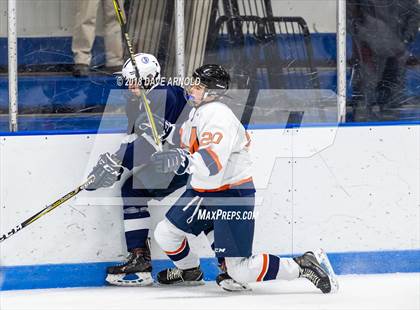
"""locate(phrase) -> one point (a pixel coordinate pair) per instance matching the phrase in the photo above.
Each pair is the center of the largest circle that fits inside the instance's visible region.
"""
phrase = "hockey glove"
(107, 171)
(175, 160)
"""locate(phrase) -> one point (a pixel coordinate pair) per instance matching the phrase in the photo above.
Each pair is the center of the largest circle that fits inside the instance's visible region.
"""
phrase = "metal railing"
(12, 62)
(268, 23)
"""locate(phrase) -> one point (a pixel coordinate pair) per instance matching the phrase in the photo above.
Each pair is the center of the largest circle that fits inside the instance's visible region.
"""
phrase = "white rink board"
(350, 189)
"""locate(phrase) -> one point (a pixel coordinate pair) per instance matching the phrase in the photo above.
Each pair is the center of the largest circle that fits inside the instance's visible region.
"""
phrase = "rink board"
(93, 274)
(351, 190)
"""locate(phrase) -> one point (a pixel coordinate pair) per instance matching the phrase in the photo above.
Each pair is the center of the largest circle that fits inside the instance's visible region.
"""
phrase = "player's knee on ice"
(238, 268)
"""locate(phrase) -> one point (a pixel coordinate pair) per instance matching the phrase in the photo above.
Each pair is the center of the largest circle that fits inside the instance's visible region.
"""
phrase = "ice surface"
(386, 291)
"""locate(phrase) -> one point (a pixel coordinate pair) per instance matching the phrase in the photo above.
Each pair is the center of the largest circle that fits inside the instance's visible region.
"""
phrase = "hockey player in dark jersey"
(167, 104)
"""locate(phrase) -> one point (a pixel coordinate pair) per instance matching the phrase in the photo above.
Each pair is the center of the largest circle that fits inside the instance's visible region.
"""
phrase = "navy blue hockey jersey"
(169, 108)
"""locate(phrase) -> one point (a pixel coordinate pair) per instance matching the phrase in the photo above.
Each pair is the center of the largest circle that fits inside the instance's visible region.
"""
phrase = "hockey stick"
(47, 209)
(123, 24)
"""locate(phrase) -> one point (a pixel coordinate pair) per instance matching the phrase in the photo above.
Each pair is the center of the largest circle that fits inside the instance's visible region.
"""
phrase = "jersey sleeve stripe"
(215, 158)
(211, 160)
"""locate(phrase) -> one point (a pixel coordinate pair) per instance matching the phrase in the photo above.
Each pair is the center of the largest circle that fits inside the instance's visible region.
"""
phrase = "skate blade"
(230, 285)
(323, 260)
(132, 279)
(185, 283)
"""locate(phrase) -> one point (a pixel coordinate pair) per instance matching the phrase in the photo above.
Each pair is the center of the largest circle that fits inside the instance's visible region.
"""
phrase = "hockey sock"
(261, 267)
(174, 243)
(136, 225)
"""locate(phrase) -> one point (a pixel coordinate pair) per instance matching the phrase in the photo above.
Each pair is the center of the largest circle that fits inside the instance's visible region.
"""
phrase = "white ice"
(387, 291)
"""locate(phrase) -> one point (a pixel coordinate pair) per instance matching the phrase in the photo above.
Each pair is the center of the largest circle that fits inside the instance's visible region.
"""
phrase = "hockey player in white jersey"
(170, 110)
(215, 151)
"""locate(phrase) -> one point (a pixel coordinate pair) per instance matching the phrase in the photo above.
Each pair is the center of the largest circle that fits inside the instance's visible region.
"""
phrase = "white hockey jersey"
(219, 146)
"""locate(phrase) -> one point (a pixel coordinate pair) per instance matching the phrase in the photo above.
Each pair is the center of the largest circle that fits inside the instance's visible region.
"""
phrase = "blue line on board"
(250, 127)
(61, 132)
(93, 274)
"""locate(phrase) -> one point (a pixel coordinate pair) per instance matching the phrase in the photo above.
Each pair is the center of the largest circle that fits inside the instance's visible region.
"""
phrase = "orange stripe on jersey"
(264, 268)
(215, 158)
(179, 250)
(193, 140)
(248, 137)
(181, 144)
(223, 187)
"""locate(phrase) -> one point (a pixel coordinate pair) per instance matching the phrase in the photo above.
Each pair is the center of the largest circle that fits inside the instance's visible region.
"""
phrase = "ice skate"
(176, 276)
(136, 271)
(316, 267)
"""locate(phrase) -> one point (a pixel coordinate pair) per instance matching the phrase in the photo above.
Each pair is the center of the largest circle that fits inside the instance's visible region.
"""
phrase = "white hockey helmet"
(148, 66)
